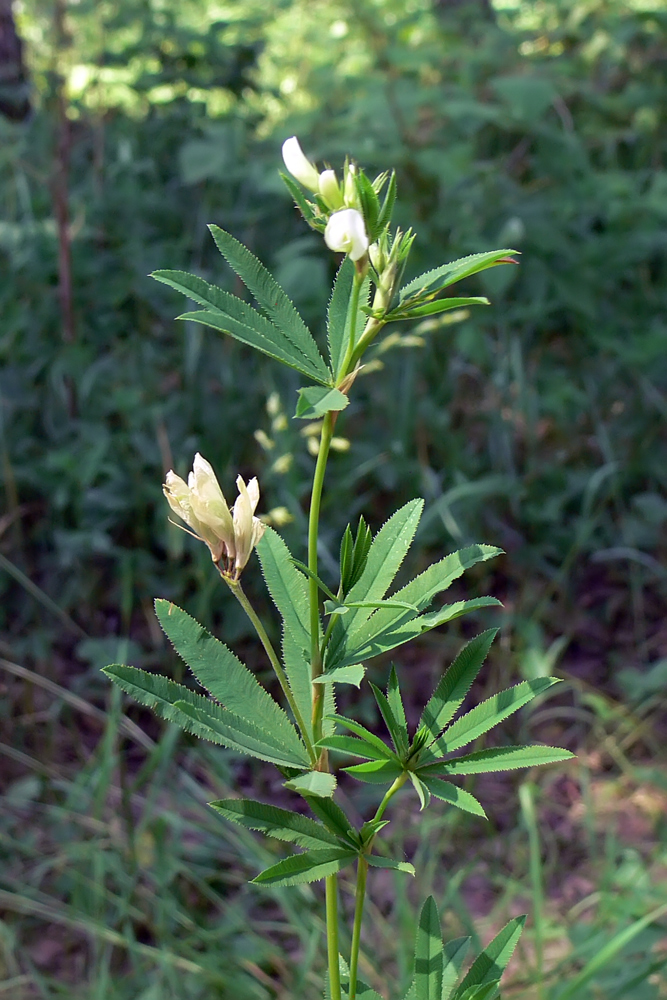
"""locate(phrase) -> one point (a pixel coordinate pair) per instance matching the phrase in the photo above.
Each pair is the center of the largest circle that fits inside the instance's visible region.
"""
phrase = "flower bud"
(299, 165)
(351, 196)
(330, 190)
(346, 233)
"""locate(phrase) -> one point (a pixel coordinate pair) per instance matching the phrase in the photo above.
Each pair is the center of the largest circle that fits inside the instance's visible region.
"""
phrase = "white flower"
(346, 233)
(230, 535)
(330, 189)
(299, 165)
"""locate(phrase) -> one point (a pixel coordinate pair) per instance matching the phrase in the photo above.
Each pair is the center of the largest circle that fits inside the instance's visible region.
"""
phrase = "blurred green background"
(537, 424)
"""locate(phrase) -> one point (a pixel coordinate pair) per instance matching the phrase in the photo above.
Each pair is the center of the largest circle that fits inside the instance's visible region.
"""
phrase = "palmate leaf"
(364, 734)
(428, 954)
(230, 314)
(398, 730)
(489, 713)
(223, 675)
(203, 717)
(274, 822)
(384, 559)
(489, 966)
(455, 270)
(272, 299)
(497, 759)
(454, 685)
(308, 867)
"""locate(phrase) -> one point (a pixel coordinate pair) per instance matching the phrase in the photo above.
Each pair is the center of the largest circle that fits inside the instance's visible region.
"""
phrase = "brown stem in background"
(60, 189)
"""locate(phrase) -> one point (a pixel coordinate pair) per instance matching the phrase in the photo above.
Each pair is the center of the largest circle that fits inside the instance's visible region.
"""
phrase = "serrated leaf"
(453, 959)
(273, 300)
(484, 992)
(365, 734)
(421, 790)
(489, 966)
(433, 308)
(499, 759)
(489, 713)
(375, 772)
(201, 716)
(395, 703)
(375, 861)
(337, 315)
(454, 685)
(384, 217)
(230, 314)
(316, 400)
(321, 784)
(223, 675)
(274, 822)
(440, 576)
(308, 867)
(397, 731)
(455, 270)
(399, 632)
(334, 819)
(452, 794)
(385, 556)
(299, 198)
(240, 734)
(355, 747)
(428, 954)
(352, 674)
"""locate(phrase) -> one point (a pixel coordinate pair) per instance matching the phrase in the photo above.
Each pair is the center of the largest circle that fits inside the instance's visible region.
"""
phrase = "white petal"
(299, 165)
(346, 233)
(330, 190)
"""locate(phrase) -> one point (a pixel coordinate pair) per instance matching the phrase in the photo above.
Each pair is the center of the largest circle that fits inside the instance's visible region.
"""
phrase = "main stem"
(314, 597)
(360, 896)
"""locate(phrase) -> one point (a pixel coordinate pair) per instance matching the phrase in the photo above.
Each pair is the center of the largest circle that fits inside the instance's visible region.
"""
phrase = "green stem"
(239, 594)
(391, 791)
(362, 872)
(354, 309)
(314, 598)
(331, 888)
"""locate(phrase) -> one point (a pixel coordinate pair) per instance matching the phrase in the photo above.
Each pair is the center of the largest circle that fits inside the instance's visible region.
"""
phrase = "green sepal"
(316, 400)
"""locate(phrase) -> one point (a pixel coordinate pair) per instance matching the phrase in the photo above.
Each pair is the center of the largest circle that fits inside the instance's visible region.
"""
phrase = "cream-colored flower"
(230, 535)
(346, 233)
(299, 165)
(330, 190)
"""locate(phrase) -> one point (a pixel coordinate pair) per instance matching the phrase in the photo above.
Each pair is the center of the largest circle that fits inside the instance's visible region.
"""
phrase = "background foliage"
(537, 424)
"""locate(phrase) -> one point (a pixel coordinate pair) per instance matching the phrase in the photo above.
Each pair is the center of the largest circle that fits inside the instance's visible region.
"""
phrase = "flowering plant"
(330, 632)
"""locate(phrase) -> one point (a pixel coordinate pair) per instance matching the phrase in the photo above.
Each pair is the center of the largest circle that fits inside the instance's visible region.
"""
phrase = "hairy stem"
(360, 896)
(331, 888)
(239, 594)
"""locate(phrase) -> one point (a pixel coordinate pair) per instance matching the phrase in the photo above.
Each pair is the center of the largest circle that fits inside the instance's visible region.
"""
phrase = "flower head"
(346, 233)
(230, 535)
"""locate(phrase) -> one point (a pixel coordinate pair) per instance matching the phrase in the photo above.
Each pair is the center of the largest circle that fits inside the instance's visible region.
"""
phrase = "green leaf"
(452, 794)
(355, 747)
(432, 308)
(223, 675)
(453, 959)
(384, 217)
(352, 674)
(485, 992)
(372, 643)
(375, 772)
(440, 576)
(428, 954)
(397, 730)
(272, 299)
(240, 734)
(489, 966)
(454, 685)
(447, 274)
(364, 734)
(498, 759)
(297, 668)
(314, 401)
(299, 198)
(308, 867)
(201, 716)
(317, 783)
(275, 822)
(490, 712)
(337, 317)
(385, 556)
(334, 819)
(231, 315)
(375, 861)
(395, 703)
(421, 790)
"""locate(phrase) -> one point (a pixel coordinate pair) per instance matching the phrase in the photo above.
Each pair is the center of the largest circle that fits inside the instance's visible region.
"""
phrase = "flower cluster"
(231, 535)
(345, 229)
